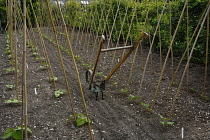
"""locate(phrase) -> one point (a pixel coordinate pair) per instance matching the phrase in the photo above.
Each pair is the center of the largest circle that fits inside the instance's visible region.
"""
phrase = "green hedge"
(98, 11)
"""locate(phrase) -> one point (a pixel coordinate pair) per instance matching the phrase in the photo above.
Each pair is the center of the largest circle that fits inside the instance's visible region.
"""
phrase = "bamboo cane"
(171, 44)
(188, 61)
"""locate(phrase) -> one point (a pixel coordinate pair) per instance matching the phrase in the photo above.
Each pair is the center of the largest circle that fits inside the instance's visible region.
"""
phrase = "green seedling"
(165, 121)
(33, 49)
(132, 97)
(9, 56)
(10, 86)
(54, 79)
(43, 67)
(10, 69)
(39, 58)
(12, 101)
(8, 47)
(124, 90)
(130, 62)
(58, 93)
(175, 83)
(115, 83)
(80, 120)
(7, 41)
(8, 52)
(30, 44)
(15, 133)
(146, 106)
(87, 65)
(35, 54)
(194, 90)
(105, 76)
(11, 62)
(77, 57)
(99, 73)
(205, 98)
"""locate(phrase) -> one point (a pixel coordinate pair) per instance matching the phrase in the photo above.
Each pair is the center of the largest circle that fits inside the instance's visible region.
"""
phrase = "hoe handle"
(136, 43)
(96, 62)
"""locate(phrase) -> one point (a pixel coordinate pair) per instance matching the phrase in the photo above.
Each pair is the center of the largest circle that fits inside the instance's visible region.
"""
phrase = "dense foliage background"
(124, 19)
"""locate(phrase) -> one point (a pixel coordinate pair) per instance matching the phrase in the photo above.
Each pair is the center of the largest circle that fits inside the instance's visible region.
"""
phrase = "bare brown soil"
(116, 117)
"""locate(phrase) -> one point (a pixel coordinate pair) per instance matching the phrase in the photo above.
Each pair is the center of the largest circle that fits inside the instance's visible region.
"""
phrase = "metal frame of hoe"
(95, 88)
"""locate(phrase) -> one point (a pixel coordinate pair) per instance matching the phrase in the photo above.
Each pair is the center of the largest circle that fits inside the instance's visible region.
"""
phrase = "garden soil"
(114, 118)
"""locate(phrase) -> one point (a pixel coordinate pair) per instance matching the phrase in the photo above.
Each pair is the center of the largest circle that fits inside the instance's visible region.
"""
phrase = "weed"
(81, 119)
(15, 133)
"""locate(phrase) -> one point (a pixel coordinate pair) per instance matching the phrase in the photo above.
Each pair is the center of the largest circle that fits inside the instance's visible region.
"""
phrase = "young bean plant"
(81, 119)
(15, 133)
(12, 101)
(9, 86)
(165, 121)
(58, 93)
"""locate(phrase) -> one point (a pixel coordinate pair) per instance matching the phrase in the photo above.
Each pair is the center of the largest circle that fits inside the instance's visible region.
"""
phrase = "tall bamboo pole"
(61, 59)
(207, 56)
(76, 69)
(150, 49)
(187, 75)
(15, 45)
(24, 89)
(49, 67)
(10, 27)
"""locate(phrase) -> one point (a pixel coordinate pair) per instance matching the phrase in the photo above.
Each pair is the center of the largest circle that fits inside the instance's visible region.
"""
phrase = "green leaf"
(12, 101)
(132, 97)
(145, 105)
(10, 86)
(81, 120)
(19, 128)
(8, 133)
(124, 90)
(99, 73)
(162, 117)
(170, 123)
(115, 83)
(162, 122)
(58, 93)
(17, 135)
